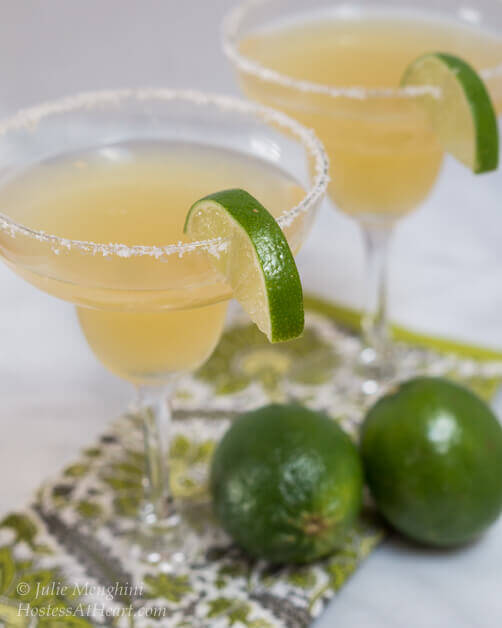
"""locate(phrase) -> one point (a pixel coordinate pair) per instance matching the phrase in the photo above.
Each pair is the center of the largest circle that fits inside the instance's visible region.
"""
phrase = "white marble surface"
(445, 279)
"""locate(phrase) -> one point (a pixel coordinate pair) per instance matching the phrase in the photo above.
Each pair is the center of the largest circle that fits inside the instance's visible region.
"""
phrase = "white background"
(446, 270)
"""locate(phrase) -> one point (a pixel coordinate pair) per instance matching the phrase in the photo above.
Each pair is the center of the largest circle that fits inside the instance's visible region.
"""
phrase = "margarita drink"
(136, 193)
(95, 190)
(384, 156)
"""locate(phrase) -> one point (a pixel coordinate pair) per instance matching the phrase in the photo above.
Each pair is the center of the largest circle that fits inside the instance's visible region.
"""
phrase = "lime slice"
(462, 113)
(257, 262)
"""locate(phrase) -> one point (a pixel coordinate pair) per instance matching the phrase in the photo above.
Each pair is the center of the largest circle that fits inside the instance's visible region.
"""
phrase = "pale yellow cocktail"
(338, 68)
(384, 156)
(94, 192)
(138, 193)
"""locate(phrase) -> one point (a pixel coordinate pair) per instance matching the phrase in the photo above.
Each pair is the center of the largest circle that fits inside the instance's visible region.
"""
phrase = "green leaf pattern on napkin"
(76, 531)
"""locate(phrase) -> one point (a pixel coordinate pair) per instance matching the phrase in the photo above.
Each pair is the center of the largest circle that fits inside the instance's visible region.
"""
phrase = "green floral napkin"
(64, 559)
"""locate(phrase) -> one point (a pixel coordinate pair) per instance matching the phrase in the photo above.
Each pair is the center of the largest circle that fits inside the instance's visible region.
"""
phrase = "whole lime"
(432, 452)
(286, 483)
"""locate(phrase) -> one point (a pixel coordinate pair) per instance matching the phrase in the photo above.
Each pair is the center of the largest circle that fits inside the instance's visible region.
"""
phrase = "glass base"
(376, 370)
(160, 544)
(168, 545)
(362, 375)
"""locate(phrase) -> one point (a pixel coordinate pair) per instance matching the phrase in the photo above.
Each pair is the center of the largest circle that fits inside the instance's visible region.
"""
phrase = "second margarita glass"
(337, 67)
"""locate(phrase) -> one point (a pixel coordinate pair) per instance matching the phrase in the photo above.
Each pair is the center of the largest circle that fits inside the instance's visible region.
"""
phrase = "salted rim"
(29, 118)
(230, 29)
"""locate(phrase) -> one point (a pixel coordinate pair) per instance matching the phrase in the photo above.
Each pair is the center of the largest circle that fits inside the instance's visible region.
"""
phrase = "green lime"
(461, 113)
(258, 262)
(432, 452)
(286, 483)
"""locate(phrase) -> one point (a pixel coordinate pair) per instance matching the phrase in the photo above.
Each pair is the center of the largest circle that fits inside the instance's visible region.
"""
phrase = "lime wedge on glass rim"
(257, 263)
(461, 112)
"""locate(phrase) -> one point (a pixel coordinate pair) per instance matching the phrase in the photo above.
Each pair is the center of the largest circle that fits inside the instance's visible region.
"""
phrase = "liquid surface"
(384, 157)
(143, 317)
(137, 193)
(370, 51)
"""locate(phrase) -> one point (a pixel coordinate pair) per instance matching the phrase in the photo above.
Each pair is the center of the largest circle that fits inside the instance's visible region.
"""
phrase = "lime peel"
(257, 262)
(462, 113)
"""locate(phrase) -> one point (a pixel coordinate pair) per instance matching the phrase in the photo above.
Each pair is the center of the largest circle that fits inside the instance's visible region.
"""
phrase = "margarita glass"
(94, 190)
(337, 67)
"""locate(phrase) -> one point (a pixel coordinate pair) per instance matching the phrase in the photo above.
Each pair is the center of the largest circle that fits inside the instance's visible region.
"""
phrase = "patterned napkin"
(64, 560)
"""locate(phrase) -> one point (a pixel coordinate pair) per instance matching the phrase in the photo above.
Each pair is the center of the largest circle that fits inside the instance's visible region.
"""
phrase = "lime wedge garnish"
(257, 262)
(461, 113)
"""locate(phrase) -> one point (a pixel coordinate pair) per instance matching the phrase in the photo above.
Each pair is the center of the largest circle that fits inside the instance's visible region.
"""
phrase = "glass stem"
(375, 322)
(154, 409)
